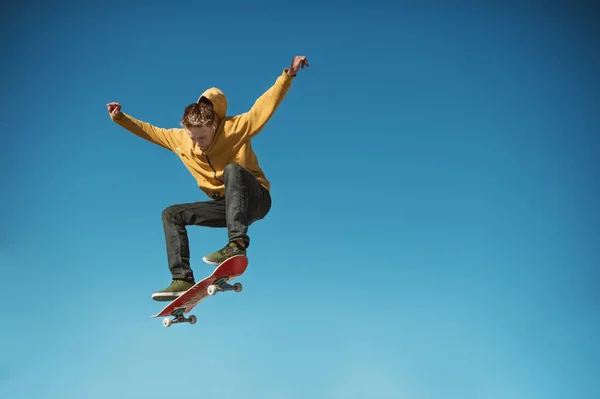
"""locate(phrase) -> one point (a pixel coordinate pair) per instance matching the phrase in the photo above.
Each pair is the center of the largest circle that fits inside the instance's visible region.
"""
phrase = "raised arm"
(166, 138)
(251, 123)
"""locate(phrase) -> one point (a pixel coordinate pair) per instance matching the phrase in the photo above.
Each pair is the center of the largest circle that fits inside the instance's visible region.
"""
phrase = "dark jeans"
(245, 202)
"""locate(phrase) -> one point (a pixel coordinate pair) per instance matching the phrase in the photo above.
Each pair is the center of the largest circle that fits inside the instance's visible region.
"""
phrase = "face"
(202, 136)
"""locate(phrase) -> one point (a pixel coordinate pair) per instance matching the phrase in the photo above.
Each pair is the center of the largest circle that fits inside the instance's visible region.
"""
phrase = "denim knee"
(232, 169)
(171, 214)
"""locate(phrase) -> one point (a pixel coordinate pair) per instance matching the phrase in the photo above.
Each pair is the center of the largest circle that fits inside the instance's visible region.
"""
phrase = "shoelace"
(227, 249)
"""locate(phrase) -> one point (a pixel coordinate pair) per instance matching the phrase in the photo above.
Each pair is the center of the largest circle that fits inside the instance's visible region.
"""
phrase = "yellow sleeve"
(251, 123)
(167, 138)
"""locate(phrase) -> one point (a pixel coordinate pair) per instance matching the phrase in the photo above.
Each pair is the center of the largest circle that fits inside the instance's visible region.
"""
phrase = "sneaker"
(173, 291)
(231, 249)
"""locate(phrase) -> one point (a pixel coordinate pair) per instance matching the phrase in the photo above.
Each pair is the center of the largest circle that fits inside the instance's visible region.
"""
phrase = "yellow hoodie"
(232, 142)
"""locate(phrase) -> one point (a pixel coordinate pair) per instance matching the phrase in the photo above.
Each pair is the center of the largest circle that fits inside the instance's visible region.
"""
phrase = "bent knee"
(232, 168)
(170, 213)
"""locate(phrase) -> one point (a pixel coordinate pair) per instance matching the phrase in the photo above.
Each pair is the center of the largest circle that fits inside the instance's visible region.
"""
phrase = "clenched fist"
(113, 108)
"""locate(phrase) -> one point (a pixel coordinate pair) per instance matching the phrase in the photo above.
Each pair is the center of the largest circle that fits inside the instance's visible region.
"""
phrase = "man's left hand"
(298, 62)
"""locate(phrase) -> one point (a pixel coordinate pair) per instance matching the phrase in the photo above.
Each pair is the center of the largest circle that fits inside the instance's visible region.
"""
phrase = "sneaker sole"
(166, 296)
(217, 264)
(209, 261)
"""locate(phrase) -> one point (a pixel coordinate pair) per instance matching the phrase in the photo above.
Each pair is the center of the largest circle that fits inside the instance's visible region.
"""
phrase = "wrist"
(117, 116)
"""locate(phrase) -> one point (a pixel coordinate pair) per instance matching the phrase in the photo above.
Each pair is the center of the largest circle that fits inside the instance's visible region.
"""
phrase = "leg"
(175, 219)
(246, 201)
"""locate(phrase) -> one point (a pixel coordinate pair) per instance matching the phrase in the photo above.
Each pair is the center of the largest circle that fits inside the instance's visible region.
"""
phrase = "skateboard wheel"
(212, 289)
(192, 319)
(237, 287)
(167, 322)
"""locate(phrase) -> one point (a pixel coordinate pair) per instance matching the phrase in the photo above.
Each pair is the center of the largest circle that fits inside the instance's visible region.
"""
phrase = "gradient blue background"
(434, 232)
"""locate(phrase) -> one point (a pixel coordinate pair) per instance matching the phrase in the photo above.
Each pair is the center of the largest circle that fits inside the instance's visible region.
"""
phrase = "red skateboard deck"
(217, 281)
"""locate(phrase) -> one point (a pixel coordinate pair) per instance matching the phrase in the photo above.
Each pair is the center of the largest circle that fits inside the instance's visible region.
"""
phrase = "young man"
(217, 150)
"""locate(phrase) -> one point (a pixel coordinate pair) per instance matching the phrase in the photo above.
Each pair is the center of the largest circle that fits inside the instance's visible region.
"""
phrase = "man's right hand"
(114, 108)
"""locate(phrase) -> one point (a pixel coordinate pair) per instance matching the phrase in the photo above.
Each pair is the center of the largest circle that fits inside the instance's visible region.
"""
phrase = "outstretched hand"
(114, 108)
(298, 62)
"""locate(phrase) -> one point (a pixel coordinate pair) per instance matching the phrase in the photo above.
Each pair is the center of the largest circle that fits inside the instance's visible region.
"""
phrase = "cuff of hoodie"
(118, 117)
(286, 76)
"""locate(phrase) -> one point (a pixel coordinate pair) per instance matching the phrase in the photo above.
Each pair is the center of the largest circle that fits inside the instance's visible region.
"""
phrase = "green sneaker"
(231, 249)
(173, 291)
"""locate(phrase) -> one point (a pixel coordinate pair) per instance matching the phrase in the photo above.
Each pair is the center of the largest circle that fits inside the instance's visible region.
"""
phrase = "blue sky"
(434, 231)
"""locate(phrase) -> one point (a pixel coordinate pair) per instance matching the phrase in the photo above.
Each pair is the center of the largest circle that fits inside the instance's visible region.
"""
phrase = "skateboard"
(218, 281)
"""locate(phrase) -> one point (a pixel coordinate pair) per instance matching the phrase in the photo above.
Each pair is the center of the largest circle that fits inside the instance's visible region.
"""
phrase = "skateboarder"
(217, 150)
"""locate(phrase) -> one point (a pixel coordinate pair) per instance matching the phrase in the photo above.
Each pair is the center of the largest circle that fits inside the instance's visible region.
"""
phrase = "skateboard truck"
(222, 285)
(178, 318)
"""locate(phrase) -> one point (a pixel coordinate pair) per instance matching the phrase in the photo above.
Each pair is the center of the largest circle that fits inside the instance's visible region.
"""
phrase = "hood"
(218, 99)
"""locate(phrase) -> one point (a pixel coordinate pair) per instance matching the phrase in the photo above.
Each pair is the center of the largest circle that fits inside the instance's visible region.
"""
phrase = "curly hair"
(198, 114)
